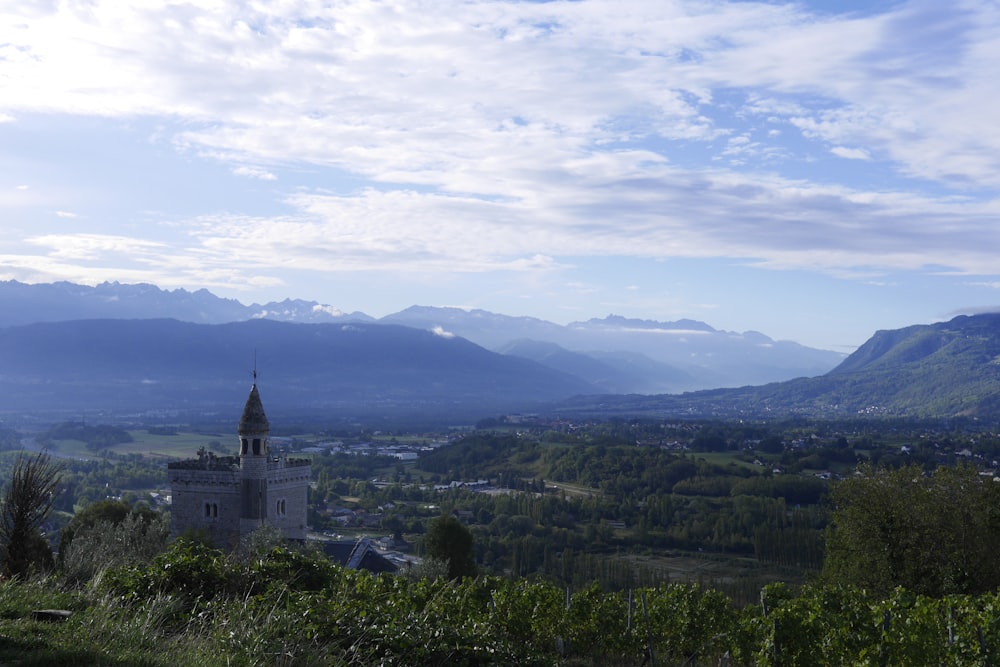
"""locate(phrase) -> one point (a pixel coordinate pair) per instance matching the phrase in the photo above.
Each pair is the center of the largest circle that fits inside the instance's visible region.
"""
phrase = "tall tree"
(450, 541)
(27, 500)
(933, 533)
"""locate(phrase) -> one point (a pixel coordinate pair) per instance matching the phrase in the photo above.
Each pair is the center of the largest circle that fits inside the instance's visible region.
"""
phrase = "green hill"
(944, 370)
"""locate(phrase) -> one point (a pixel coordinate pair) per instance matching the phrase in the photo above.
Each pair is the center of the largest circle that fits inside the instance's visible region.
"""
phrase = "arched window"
(243, 446)
(256, 446)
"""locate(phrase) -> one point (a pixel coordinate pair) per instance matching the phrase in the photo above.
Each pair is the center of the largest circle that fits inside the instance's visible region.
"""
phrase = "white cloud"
(65, 214)
(94, 246)
(850, 153)
(328, 310)
(446, 94)
(440, 331)
(255, 172)
(781, 224)
(507, 136)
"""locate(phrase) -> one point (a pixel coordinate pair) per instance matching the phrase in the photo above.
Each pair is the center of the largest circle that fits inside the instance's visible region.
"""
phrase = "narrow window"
(256, 446)
(243, 446)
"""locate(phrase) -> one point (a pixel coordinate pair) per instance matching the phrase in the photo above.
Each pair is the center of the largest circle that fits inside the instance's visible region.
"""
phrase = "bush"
(103, 544)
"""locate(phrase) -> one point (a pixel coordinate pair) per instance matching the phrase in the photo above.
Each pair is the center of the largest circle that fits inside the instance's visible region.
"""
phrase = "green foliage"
(293, 569)
(96, 545)
(87, 482)
(843, 625)
(478, 453)
(692, 622)
(96, 437)
(709, 439)
(586, 512)
(343, 465)
(714, 485)
(9, 439)
(109, 511)
(529, 615)
(428, 568)
(291, 607)
(598, 625)
(793, 488)
(261, 540)
(27, 499)
(933, 533)
(449, 540)
(188, 569)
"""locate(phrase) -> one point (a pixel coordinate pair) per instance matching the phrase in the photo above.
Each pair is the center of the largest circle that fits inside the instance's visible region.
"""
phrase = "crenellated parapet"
(231, 496)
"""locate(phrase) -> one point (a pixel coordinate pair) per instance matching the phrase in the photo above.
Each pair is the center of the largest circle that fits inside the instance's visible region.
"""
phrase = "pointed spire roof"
(253, 420)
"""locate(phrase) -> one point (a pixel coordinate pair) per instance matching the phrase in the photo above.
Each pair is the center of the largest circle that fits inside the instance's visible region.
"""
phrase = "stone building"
(228, 497)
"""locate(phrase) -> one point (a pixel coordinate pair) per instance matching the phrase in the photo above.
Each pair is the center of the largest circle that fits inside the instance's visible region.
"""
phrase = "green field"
(180, 446)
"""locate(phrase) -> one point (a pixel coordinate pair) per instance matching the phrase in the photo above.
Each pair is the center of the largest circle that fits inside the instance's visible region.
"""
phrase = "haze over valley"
(137, 348)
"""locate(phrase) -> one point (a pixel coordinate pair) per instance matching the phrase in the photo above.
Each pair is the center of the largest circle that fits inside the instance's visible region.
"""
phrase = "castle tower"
(253, 432)
(229, 497)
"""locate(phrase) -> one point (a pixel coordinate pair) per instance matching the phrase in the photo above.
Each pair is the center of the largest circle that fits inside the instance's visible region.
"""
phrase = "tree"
(111, 511)
(450, 541)
(709, 439)
(27, 500)
(932, 533)
(110, 532)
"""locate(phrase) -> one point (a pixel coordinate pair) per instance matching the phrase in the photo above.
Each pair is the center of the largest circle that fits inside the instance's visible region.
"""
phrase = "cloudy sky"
(815, 170)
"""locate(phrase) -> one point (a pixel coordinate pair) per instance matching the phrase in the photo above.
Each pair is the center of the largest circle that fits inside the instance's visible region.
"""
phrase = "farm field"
(179, 446)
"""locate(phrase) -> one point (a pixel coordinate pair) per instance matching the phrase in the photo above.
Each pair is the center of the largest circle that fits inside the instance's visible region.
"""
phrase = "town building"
(228, 497)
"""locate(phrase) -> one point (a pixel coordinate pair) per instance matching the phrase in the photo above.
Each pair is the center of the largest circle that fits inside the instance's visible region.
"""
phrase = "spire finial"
(255, 365)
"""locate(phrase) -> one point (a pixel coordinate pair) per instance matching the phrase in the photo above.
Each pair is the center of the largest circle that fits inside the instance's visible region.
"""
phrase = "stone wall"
(213, 499)
(206, 500)
(288, 497)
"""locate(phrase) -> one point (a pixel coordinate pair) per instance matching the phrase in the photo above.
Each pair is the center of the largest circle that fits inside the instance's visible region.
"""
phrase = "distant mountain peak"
(683, 355)
(23, 303)
(936, 371)
(450, 312)
(650, 325)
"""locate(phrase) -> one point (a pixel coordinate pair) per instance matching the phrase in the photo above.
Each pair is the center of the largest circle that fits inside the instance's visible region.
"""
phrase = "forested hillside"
(948, 370)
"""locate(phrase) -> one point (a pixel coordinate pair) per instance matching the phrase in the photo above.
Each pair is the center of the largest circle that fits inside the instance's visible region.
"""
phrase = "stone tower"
(254, 457)
(229, 497)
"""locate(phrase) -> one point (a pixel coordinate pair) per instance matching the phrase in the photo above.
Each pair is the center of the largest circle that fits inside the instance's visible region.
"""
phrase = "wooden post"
(628, 624)
(649, 631)
(776, 649)
(883, 653)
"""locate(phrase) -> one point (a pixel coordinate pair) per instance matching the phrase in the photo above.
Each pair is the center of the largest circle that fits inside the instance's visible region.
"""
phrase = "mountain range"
(136, 347)
(943, 370)
(162, 366)
(612, 355)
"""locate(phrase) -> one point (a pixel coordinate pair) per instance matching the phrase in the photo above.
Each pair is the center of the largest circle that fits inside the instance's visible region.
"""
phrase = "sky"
(815, 171)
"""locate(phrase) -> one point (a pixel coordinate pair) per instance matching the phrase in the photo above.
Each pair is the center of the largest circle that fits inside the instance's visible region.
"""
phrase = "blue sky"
(815, 171)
